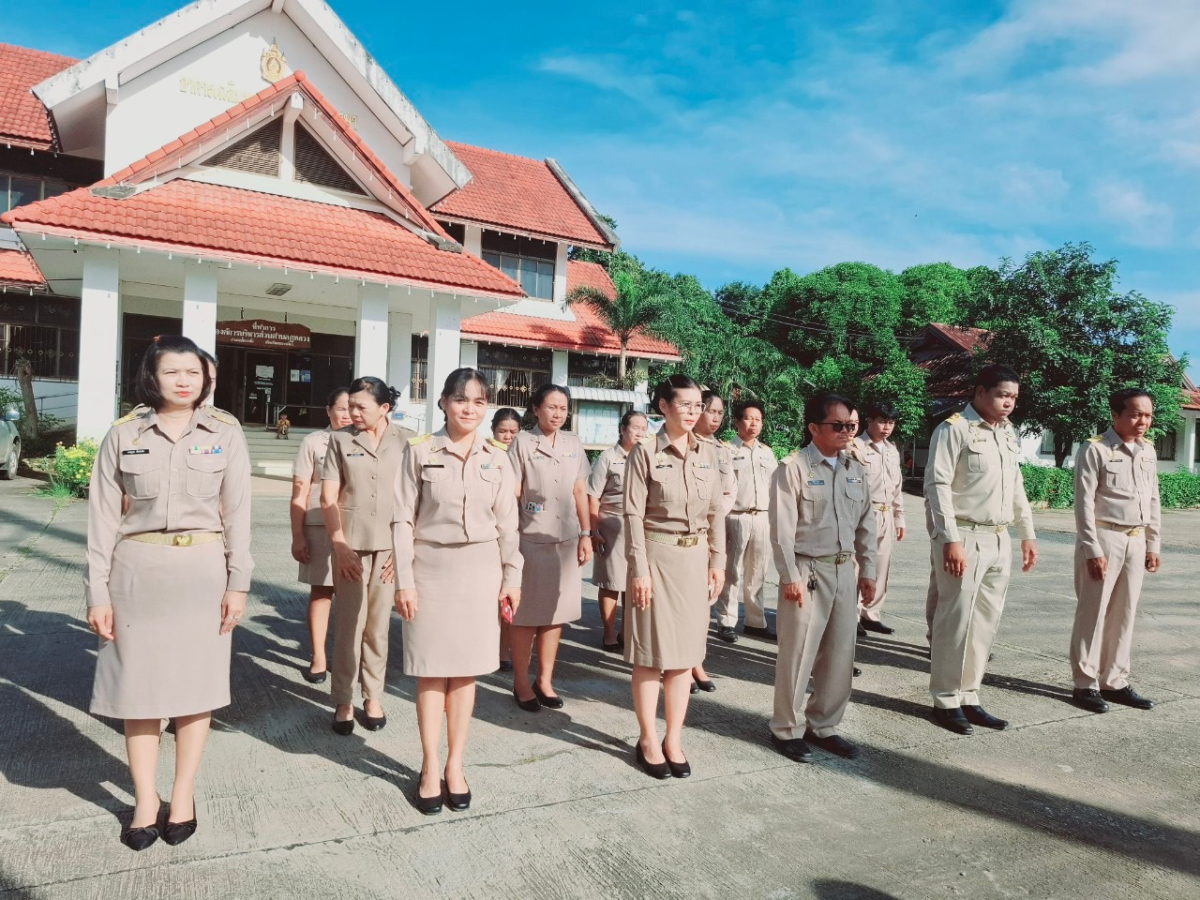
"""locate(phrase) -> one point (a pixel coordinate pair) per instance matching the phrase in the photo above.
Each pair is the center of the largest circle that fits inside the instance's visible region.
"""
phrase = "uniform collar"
(621, 451)
(363, 441)
(543, 440)
(441, 441)
(200, 419)
(662, 441)
(738, 442)
(972, 415)
(816, 457)
(1114, 441)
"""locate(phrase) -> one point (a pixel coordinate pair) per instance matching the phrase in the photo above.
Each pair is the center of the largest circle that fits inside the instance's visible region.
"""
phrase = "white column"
(400, 332)
(371, 337)
(558, 367)
(468, 355)
(643, 387)
(99, 343)
(200, 305)
(473, 240)
(1189, 442)
(560, 274)
(445, 339)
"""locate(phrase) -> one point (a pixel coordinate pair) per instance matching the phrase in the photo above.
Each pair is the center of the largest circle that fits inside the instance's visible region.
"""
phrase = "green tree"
(1059, 321)
(637, 306)
(934, 292)
(587, 254)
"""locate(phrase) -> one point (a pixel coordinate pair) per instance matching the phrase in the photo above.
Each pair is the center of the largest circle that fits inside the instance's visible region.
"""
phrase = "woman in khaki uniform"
(606, 505)
(506, 425)
(310, 541)
(167, 575)
(358, 505)
(458, 571)
(552, 470)
(675, 534)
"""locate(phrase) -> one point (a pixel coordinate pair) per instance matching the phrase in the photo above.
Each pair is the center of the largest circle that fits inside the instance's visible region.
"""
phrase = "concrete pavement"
(1063, 805)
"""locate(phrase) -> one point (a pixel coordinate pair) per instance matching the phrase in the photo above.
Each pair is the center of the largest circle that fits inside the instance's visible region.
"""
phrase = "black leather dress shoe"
(835, 744)
(458, 802)
(694, 689)
(530, 705)
(1089, 699)
(862, 632)
(343, 728)
(175, 833)
(661, 770)
(618, 647)
(678, 770)
(316, 677)
(857, 671)
(705, 685)
(546, 700)
(878, 627)
(727, 634)
(977, 715)
(953, 720)
(373, 723)
(793, 748)
(763, 633)
(1127, 696)
(429, 806)
(140, 838)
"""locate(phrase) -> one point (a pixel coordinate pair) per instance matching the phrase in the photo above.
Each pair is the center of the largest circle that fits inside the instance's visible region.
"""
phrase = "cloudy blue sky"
(730, 140)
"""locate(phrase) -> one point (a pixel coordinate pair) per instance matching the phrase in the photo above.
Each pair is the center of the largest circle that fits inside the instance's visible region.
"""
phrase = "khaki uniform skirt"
(169, 658)
(609, 569)
(551, 584)
(672, 633)
(456, 631)
(318, 571)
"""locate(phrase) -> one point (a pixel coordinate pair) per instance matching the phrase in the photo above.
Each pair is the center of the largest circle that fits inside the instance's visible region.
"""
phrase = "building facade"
(246, 174)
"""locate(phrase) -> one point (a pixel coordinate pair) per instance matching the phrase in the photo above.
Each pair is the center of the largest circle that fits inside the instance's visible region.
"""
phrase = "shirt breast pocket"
(205, 474)
(434, 481)
(977, 457)
(142, 476)
(667, 482)
(704, 483)
(1118, 476)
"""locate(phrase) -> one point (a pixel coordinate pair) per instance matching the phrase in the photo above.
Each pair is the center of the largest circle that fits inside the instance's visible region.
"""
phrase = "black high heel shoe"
(546, 700)
(315, 677)
(373, 723)
(140, 838)
(678, 770)
(343, 728)
(530, 705)
(175, 833)
(429, 806)
(458, 802)
(660, 770)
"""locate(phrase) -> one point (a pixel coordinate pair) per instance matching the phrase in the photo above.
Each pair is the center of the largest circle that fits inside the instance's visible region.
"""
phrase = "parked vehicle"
(10, 444)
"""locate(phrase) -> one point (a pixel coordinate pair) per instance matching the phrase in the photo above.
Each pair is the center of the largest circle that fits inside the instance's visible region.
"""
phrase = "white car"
(10, 444)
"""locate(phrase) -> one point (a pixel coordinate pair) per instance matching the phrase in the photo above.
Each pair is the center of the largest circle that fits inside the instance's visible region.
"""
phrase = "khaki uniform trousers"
(885, 528)
(1102, 639)
(967, 617)
(748, 553)
(816, 640)
(362, 616)
(931, 598)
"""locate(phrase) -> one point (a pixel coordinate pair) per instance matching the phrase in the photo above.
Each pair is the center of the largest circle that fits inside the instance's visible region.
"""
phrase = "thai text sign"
(267, 335)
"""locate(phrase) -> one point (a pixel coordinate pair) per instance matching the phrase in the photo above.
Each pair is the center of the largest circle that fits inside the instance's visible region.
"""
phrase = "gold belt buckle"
(1134, 532)
(690, 540)
(841, 558)
(181, 540)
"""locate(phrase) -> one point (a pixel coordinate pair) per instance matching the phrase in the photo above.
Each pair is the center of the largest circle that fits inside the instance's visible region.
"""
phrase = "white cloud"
(1143, 221)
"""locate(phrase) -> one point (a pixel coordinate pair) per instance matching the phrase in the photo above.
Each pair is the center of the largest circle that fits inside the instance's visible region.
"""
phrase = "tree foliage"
(1058, 319)
(638, 304)
(935, 292)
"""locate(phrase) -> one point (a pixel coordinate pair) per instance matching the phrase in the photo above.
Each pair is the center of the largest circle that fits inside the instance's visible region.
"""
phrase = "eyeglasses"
(689, 407)
(840, 426)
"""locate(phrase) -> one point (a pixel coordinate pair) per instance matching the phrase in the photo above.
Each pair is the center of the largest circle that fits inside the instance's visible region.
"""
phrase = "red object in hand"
(506, 611)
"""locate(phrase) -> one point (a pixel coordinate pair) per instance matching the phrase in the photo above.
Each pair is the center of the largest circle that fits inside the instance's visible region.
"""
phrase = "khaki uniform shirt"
(884, 475)
(310, 464)
(547, 475)
(973, 474)
(607, 481)
(819, 511)
(673, 494)
(367, 479)
(753, 468)
(1113, 486)
(725, 468)
(442, 498)
(200, 483)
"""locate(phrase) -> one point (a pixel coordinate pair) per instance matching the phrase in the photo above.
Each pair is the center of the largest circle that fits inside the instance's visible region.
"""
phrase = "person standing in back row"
(748, 527)
(552, 469)
(886, 481)
(358, 504)
(1118, 516)
(975, 492)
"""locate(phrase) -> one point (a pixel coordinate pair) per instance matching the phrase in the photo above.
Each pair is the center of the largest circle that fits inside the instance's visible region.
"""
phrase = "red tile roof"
(1191, 399)
(520, 194)
(23, 120)
(964, 337)
(586, 334)
(947, 354)
(18, 267)
(253, 227)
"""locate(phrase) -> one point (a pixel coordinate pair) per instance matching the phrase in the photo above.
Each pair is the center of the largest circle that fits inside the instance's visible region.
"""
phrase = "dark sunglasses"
(840, 426)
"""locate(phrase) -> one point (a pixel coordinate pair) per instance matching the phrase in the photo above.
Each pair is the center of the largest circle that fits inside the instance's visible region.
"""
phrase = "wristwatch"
(587, 533)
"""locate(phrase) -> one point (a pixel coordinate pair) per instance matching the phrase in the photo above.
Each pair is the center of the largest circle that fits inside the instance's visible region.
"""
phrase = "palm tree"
(633, 309)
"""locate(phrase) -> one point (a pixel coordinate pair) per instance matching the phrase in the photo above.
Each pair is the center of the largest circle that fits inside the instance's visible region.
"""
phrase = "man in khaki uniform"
(821, 524)
(975, 492)
(886, 481)
(1118, 516)
(707, 427)
(748, 528)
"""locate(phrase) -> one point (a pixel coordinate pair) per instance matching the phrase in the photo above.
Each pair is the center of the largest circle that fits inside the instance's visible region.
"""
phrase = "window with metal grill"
(315, 165)
(257, 152)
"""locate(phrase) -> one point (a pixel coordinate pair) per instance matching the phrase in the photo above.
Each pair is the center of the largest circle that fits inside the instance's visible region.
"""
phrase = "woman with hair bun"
(358, 504)
(506, 425)
(675, 544)
(552, 471)
(458, 573)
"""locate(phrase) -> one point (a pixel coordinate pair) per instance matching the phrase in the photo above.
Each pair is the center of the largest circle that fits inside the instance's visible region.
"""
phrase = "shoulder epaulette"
(221, 416)
(795, 454)
(1095, 438)
(420, 439)
(954, 417)
(134, 413)
(499, 445)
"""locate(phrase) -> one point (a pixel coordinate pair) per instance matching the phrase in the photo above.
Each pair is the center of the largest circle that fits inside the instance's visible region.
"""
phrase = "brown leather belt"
(975, 526)
(748, 512)
(175, 540)
(1124, 529)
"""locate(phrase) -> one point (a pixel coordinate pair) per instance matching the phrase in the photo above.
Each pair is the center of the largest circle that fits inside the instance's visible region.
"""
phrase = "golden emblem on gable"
(273, 63)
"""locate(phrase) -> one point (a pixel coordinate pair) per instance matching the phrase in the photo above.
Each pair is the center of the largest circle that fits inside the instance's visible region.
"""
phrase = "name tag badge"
(700, 465)
(851, 480)
(664, 466)
(534, 507)
(204, 451)
(354, 455)
(574, 454)
(618, 465)
(816, 482)
(431, 465)
(135, 452)
(490, 466)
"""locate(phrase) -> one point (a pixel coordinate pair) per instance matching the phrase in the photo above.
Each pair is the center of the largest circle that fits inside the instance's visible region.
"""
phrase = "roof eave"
(610, 236)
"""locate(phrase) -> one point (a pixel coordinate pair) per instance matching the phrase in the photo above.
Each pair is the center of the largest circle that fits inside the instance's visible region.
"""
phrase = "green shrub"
(1048, 486)
(1179, 490)
(72, 466)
